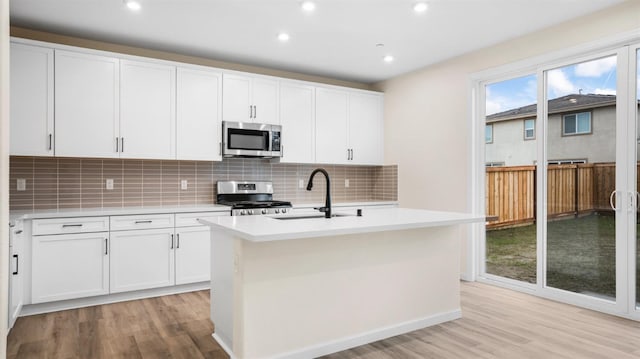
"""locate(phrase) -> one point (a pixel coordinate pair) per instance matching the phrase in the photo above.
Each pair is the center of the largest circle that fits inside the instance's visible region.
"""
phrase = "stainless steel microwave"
(245, 139)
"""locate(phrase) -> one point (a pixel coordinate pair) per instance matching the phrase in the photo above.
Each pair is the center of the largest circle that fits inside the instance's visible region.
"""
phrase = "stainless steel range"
(248, 198)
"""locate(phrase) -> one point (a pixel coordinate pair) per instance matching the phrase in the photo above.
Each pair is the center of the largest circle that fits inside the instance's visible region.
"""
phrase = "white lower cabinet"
(16, 274)
(193, 255)
(67, 266)
(142, 259)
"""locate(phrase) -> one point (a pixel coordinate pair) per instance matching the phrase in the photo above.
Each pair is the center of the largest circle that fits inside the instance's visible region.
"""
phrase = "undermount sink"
(311, 216)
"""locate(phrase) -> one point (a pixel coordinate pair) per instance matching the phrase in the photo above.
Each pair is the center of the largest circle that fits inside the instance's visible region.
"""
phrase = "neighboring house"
(581, 129)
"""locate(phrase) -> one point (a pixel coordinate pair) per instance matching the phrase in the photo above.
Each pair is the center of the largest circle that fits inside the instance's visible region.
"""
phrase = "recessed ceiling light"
(380, 45)
(133, 5)
(283, 36)
(308, 6)
(420, 7)
(387, 58)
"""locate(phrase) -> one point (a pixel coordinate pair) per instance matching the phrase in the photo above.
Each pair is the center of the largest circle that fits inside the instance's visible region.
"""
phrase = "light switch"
(184, 184)
(346, 183)
(21, 185)
(109, 184)
(300, 184)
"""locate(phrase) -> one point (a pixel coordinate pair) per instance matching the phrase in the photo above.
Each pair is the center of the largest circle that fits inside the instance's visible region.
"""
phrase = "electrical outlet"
(109, 184)
(21, 185)
(346, 183)
(300, 184)
(184, 184)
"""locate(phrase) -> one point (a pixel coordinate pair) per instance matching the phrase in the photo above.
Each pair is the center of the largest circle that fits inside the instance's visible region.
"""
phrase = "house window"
(529, 129)
(566, 162)
(488, 134)
(576, 123)
(494, 164)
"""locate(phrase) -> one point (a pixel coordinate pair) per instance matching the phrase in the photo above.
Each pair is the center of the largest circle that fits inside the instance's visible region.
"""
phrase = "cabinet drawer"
(141, 221)
(70, 225)
(191, 219)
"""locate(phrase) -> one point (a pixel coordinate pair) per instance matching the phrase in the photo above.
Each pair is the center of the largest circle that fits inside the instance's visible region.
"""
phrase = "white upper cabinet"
(332, 112)
(349, 127)
(297, 117)
(86, 105)
(366, 128)
(250, 99)
(31, 101)
(147, 110)
(199, 113)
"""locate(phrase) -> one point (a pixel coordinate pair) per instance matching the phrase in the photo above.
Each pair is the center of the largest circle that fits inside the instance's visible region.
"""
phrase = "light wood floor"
(496, 323)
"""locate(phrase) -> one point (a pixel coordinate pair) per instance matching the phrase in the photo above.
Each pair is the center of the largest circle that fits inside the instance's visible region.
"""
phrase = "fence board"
(571, 190)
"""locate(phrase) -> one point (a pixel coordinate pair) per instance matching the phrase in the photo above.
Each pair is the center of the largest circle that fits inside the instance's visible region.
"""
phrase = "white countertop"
(267, 228)
(94, 212)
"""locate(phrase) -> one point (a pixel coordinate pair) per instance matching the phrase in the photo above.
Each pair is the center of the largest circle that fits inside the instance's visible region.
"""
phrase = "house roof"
(568, 103)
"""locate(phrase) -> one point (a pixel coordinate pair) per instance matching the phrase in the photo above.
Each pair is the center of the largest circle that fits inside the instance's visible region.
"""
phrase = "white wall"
(427, 112)
(4, 172)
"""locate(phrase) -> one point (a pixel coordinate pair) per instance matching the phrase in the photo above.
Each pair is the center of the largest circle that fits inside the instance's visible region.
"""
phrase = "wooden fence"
(571, 190)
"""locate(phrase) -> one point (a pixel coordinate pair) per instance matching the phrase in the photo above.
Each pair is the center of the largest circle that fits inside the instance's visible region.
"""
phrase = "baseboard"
(49, 307)
(338, 345)
(224, 346)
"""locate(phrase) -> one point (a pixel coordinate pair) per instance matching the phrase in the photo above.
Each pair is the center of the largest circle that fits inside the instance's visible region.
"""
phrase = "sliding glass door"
(581, 177)
(561, 179)
(510, 160)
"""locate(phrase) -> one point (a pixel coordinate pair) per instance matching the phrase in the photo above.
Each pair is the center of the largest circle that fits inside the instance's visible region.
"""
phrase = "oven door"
(246, 139)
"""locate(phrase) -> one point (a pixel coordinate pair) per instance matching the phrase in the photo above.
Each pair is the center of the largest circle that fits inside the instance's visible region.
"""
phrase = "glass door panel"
(510, 190)
(581, 175)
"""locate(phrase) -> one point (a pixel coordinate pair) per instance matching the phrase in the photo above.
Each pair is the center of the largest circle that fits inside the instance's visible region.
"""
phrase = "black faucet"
(327, 204)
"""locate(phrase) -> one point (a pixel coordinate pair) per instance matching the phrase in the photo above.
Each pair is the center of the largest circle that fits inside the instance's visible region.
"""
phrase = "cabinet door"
(141, 259)
(31, 100)
(86, 105)
(16, 280)
(199, 110)
(147, 116)
(331, 126)
(297, 116)
(193, 262)
(265, 101)
(67, 266)
(365, 129)
(236, 97)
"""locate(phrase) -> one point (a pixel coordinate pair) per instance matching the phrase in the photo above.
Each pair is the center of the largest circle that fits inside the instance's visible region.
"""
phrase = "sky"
(593, 77)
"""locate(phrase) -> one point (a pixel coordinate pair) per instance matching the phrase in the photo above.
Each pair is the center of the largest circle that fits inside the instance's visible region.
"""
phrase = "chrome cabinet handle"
(117, 144)
(178, 240)
(18, 231)
(220, 150)
(141, 222)
(171, 242)
(348, 154)
(255, 111)
(250, 111)
(106, 246)
(122, 144)
(71, 225)
(50, 142)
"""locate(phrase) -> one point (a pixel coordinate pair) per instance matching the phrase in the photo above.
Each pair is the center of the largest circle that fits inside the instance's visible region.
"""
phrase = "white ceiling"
(337, 40)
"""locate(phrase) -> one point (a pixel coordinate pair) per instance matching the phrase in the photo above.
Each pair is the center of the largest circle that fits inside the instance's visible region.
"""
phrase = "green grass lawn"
(581, 254)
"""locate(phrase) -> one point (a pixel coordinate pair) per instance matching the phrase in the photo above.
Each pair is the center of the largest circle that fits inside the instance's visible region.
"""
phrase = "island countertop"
(268, 228)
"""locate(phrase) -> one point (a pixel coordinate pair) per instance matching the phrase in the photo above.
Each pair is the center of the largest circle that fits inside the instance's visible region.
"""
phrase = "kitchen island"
(306, 287)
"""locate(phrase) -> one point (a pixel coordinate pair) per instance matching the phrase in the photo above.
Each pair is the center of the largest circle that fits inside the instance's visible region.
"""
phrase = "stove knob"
(250, 211)
(284, 210)
(264, 211)
(277, 211)
(243, 212)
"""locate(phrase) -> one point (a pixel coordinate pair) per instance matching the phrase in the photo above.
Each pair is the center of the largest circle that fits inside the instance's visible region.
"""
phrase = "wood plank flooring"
(496, 323)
